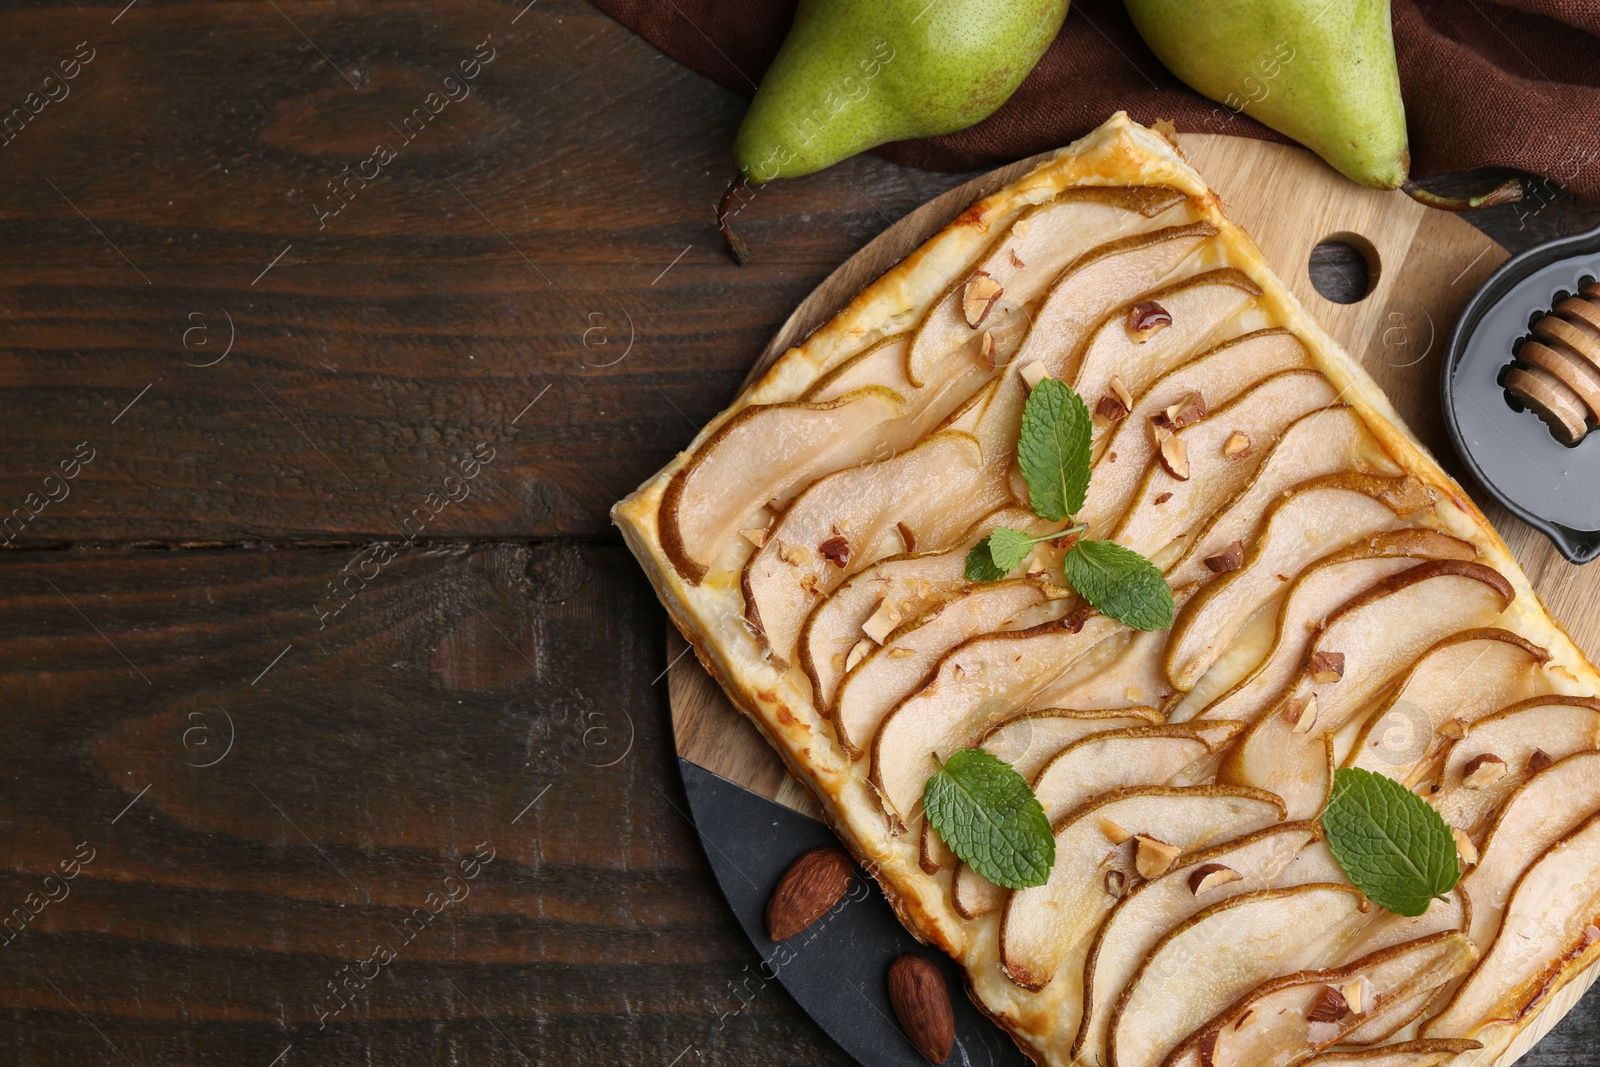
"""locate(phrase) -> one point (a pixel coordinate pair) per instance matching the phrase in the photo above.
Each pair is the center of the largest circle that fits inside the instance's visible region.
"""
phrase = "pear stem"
(1507, 192)
(738, 251)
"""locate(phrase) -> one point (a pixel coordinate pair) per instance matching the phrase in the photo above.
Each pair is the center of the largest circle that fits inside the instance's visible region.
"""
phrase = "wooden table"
(325, 675)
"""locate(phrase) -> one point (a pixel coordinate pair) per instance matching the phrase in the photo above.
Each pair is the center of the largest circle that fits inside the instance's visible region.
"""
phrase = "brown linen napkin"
(1513, 83)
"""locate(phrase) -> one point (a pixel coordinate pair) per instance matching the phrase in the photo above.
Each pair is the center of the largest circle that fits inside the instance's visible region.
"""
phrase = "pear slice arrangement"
(1339, 610)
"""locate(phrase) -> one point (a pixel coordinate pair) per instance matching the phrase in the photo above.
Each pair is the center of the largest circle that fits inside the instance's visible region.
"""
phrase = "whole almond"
(922, 1003)
(812, 885)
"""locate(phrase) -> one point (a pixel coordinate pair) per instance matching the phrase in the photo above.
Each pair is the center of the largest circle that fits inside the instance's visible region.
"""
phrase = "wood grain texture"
(521, 240)
(382, 347)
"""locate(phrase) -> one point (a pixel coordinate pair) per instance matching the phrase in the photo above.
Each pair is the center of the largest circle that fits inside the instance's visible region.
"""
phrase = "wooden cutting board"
(1422, 264)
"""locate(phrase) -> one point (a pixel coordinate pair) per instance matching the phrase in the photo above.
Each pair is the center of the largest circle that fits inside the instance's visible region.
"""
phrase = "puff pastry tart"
(1340, 602)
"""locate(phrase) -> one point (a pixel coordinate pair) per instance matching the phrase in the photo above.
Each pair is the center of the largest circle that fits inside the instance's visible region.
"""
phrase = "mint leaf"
(1389, 841)
(998, 554)
(1120, 583)
(989, 817)
(1053, 450)
(980, 564)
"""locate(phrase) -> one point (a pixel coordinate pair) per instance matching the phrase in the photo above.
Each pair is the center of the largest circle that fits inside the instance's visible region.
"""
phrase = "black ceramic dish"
(1511, 453)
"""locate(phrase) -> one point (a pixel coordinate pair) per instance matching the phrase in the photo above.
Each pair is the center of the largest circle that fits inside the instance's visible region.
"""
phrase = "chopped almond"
(1146, 319)
(1229, 559)
(1237, 445)
(1327, 667)
(1358, 994)
(1034, 373)
(836, 550)
(756, 535)
(1301, 714)
(1117, 884)
(1482, 771)
(1153, 858)
(1539, 760)
(1110, 409)
(1464, 847)
(978, 297)
(1175, 457)
(1210, 876)
(885, 619)
(1192, 408)
(1162, 498)
(986, 349)
(860, 649)
(1329, 1007)
(1120, 391)
(1114, 833)
(1453, 728)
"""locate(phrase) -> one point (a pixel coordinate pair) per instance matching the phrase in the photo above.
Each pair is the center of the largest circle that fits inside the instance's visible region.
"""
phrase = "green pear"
(853, 74)
(1320, 71)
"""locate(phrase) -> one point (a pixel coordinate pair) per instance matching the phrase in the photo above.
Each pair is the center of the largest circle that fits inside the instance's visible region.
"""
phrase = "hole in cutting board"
(1344, 268)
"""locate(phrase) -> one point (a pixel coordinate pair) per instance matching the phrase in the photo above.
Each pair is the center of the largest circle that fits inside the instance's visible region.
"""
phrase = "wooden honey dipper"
(1560, 381)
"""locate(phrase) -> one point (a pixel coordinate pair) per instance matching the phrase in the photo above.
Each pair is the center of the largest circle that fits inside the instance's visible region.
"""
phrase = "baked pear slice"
(1097, 283)
(1327, 441)
(1316, 519)
(884, 365)
(1273, 1026)
(1027, 742)
(1549, 935)
(886, 594)
(1040, 926)
(1362, 647)
(1151, 908)
(1385, 929)
(1404, 1054)
(1322, 589)
(1173, 499)
(1501, 751)
(1102, 279)
(1099, 764)
(1198, 308)
(976, 684)
(759, 458)
(1552, 804)
(1030, 740)
(1210, 960)
(1126, 446)
(1464, 677)
(1133, 676)
(854, 517)
(887, 673)
(1022, 265)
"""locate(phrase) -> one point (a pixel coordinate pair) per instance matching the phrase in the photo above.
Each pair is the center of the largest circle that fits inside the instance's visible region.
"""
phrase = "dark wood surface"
(277, 715)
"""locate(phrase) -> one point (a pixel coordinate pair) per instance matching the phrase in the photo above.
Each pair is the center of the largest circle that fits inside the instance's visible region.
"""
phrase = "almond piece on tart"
(1041, 926)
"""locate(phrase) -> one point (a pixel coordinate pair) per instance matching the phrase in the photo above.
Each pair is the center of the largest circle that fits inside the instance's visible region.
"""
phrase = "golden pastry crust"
(710, 614)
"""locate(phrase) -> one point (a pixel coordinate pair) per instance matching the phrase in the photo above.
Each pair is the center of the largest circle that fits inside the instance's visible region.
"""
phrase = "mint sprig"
(1391, 844)
(1053, 452)
(1000, 553)
(985, 812)
(1120, 583)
